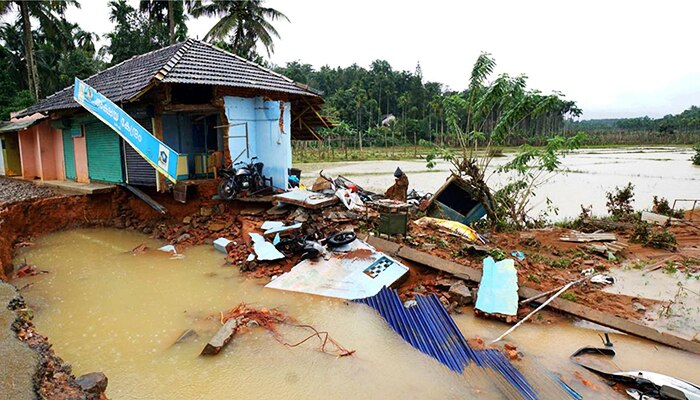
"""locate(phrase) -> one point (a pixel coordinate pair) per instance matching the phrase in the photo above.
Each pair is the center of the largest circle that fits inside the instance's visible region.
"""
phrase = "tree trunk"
(32, 74)
(171, 21)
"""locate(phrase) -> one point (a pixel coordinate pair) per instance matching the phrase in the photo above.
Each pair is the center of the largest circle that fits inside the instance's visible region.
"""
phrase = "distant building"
(196, 98)
(388, 119)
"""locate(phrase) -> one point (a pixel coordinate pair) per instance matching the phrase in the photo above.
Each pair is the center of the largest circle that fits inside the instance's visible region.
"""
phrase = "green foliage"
(139, 31)
(498, 254)
(241, 25)
(688, 120)
(649, 236)
(661, 206)
(696, 156)
(619, 201)
(569, 296)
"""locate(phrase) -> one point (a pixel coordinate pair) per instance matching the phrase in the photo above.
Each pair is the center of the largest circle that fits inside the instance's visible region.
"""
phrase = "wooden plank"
(612, 321)
(575, 309)
(588, 237)
(221, 338)
(407, 253)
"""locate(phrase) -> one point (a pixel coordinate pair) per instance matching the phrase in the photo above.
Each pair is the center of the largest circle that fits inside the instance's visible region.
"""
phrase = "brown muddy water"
(105, 309)
(586, 176)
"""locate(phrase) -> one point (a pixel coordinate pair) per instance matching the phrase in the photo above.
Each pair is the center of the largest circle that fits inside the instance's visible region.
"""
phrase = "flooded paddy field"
(106, 309)
(586, 176)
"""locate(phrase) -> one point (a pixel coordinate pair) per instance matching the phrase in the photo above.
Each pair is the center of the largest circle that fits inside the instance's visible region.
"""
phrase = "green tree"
(47, 12)
(166, 19)
(494, 111)
(241, 25)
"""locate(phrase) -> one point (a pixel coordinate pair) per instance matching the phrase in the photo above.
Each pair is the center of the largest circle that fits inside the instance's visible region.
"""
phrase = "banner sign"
(158, 154)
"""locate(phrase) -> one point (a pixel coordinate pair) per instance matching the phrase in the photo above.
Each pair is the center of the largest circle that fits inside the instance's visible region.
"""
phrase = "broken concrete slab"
(343, 276)
(274, 227)
(460, 293)
(264, 250)
(221, 338)
(306, 199)
(221, 244)
(658, 219)
(498, 291)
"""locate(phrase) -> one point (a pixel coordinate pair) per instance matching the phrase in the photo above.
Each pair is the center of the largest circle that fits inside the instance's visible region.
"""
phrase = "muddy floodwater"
(105, 309)
(586, 176)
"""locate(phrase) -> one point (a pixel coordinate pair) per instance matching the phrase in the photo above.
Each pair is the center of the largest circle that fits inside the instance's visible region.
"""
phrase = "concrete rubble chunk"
(95, 383)
(221, 245)
(460, 293)
(221, 338)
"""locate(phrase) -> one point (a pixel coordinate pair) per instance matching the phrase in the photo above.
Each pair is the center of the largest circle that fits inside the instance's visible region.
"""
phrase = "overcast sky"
(615, 58)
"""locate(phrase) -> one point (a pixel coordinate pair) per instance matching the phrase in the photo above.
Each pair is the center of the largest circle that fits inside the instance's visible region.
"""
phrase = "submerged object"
(643, 384)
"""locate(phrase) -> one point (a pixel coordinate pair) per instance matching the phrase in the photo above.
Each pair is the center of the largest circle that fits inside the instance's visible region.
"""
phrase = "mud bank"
(22, 221)
(30, 369)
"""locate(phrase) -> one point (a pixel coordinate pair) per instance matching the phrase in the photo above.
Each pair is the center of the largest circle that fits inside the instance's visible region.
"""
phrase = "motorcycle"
(242, 178)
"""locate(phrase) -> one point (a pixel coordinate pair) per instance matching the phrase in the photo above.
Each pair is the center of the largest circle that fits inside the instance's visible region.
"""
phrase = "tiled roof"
(202, 63)
(188, 62)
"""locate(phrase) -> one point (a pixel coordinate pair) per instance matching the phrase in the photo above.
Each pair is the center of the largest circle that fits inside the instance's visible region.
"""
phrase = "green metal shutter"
(69, 152)
(103, 153)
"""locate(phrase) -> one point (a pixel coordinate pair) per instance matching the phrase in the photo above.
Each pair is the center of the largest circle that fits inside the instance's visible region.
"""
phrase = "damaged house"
(210, 106)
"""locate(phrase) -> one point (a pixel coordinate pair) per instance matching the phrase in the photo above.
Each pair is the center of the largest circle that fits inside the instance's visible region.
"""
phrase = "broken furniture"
(453, 201)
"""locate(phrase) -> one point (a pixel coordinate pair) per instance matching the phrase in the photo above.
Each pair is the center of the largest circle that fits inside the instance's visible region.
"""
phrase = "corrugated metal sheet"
(138, 170)
(12, 126)
(69, 152)
(103, 153)
(429, 328)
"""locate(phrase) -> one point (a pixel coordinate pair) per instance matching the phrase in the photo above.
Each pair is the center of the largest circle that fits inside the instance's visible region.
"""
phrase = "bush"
(696, 157)
(645, 234)
(662, 207)
(620, 201)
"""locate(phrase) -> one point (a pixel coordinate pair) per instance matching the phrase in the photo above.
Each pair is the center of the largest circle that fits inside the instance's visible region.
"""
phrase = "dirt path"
(15, 190)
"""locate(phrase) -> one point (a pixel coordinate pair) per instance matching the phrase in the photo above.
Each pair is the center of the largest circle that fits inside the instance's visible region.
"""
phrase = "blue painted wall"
(272, 146)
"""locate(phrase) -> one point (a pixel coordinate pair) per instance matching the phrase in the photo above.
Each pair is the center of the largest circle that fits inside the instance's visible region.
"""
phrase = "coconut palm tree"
(243, 22)
(48, 13)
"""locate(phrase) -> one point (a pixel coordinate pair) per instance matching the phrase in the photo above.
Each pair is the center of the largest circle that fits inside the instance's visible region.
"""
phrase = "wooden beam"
(569, 307)
(300, 114)
(191, 107)
(311, 131)
(323, 120)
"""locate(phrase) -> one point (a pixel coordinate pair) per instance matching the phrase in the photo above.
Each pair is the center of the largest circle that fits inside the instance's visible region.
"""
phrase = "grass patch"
(569, 296)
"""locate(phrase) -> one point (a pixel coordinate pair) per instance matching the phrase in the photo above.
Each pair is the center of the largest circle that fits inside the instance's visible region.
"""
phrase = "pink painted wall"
(47, 157)
(81, 164)
(29, 154)
(41, 150)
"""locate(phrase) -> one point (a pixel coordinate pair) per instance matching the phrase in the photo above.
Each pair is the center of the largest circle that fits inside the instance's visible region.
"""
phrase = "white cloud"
(615, 58)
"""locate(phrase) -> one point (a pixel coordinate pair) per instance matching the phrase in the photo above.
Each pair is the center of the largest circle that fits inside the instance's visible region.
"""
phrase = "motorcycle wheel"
(341, 238)
(259, 183)
(227, 189)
